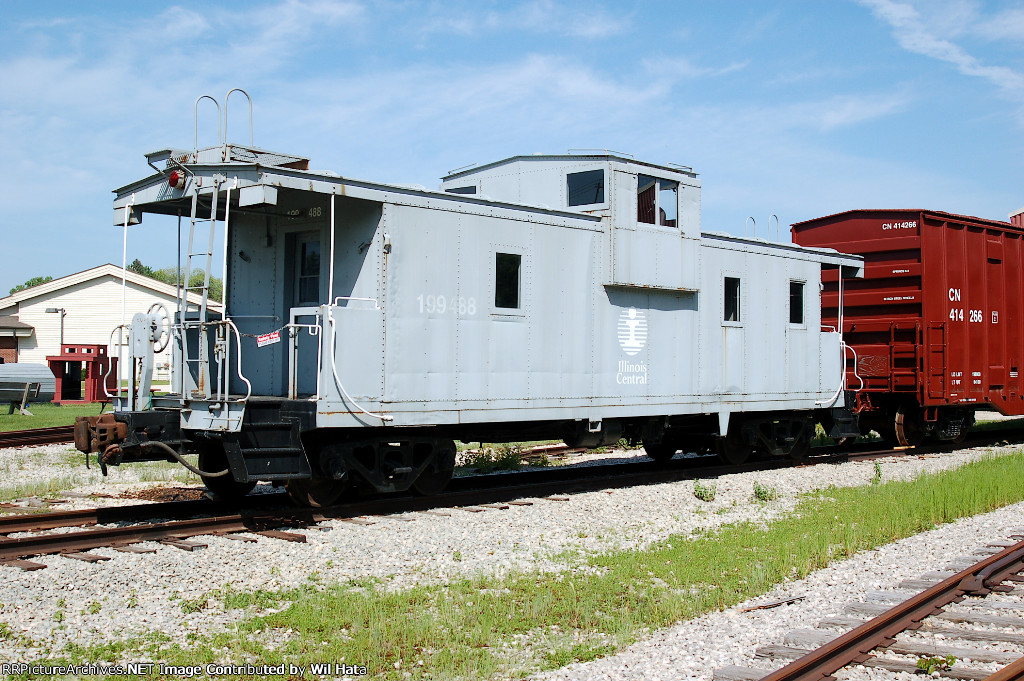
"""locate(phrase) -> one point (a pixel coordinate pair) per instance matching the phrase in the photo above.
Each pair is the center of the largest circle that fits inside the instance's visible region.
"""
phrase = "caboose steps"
(269, 445)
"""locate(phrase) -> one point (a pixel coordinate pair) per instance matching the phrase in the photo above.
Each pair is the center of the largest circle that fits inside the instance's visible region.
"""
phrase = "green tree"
(34, 281)
(170, 275)
(139, 268)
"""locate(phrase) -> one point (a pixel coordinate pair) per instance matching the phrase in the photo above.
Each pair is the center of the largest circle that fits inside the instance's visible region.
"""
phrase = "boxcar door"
(307, 284)
(994, 319)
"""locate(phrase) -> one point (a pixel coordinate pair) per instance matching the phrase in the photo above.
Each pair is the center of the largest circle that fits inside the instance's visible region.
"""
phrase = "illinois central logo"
(632, 331)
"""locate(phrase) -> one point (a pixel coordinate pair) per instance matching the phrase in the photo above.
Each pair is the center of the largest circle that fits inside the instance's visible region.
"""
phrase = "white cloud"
(536, 16)
(917, 34)
(682, 68)
(1007, 25)
(846, 110)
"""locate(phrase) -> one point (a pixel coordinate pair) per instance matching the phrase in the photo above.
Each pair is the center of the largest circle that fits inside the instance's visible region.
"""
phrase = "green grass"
(480, 627)
(46, 415)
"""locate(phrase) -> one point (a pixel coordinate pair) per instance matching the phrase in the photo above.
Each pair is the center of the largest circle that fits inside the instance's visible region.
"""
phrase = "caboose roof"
(152, 194)
(570, 157)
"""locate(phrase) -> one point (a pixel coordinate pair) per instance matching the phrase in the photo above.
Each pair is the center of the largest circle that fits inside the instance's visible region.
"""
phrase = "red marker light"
(176, 179)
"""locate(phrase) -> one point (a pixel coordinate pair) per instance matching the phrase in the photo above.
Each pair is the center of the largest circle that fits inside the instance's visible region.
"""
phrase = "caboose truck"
(368, 325)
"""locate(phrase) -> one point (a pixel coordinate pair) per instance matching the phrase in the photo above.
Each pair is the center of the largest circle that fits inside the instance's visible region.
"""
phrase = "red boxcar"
(937, 322)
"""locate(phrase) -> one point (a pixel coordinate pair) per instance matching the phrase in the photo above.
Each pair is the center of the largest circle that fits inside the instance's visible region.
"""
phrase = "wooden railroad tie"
(86, 557)
(286, 536)
(183, 544)
(25, 565)
(134, 548)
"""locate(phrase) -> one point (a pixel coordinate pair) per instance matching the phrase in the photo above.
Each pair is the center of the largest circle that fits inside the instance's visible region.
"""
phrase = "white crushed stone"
(695, 649)
(135, 593)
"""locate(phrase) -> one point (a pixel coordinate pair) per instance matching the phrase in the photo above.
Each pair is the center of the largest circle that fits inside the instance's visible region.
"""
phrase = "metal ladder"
(203, 388)
(197, 223)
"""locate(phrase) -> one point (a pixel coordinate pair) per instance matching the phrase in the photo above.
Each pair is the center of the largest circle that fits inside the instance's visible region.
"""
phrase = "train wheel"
(221, 487)
(437, 475)
(732, 450)
(660, 451)
(910, 427)
(962, 435)
(801, 448)
(965, 425)
(314, 493)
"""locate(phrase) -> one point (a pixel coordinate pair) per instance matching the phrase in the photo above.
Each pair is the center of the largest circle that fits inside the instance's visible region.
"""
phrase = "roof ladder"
(194, 259)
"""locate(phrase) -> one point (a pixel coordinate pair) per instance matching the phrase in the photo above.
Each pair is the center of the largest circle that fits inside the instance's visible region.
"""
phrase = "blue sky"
(795, 108)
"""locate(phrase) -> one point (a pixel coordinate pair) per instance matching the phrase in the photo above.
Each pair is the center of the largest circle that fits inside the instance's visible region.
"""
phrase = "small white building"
(85, 307)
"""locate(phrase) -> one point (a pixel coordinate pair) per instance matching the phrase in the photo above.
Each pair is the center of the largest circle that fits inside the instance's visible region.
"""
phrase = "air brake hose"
(186, 464)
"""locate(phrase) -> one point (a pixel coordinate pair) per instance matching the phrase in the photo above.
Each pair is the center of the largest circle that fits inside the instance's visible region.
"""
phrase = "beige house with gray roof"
(84, 307)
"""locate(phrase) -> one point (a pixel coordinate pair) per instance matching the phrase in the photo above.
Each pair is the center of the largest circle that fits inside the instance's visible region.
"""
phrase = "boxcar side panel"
(938, 315)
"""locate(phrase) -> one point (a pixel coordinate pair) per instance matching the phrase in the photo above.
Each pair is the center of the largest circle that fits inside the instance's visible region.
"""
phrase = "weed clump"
(704, 491)
(764, 492)
(933, 665)
(502, 458)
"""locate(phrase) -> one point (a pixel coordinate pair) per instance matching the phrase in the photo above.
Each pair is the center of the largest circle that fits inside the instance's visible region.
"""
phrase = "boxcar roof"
(934, 213)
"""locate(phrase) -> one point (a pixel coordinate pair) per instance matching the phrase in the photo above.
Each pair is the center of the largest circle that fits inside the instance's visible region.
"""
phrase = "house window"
(796, 302)
(586, 188)
(657, 201)
(506, 280)
(461, 190)
(732, 299)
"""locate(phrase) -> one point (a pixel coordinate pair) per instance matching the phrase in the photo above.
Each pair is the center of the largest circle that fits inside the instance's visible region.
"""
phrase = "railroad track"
(473, 494)
(37, 436)
(271, 512)
(817, 654)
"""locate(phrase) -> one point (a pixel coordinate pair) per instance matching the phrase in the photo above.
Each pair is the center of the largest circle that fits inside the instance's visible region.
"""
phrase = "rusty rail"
(856, 645)
(37, 436)
(36, 522)
(1011, 672)
(71, 542)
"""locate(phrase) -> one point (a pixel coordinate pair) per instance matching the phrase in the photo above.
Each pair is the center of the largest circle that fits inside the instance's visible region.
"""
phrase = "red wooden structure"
(75, 385)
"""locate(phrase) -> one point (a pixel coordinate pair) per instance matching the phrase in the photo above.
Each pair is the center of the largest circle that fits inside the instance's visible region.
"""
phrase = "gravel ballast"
(132, 594)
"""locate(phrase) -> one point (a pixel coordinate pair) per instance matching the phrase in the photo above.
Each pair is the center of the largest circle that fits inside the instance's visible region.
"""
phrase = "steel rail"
(70, 542)
(37, 436)
(1011, 672)
(856, 645)
(35, 522)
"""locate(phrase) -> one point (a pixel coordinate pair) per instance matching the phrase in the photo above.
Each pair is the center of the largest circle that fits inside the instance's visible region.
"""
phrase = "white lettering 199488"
(432, 304)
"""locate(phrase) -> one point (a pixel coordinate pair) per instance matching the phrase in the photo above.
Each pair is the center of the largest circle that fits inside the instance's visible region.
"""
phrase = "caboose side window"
(461, 190)
(646, 199)
(585, 188)
(732, 299)
(668, 203)
(796, 302)
(657, 201)
(506, 280)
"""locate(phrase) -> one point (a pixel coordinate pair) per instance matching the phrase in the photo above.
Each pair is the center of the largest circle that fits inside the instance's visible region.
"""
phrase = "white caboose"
(366, 325)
